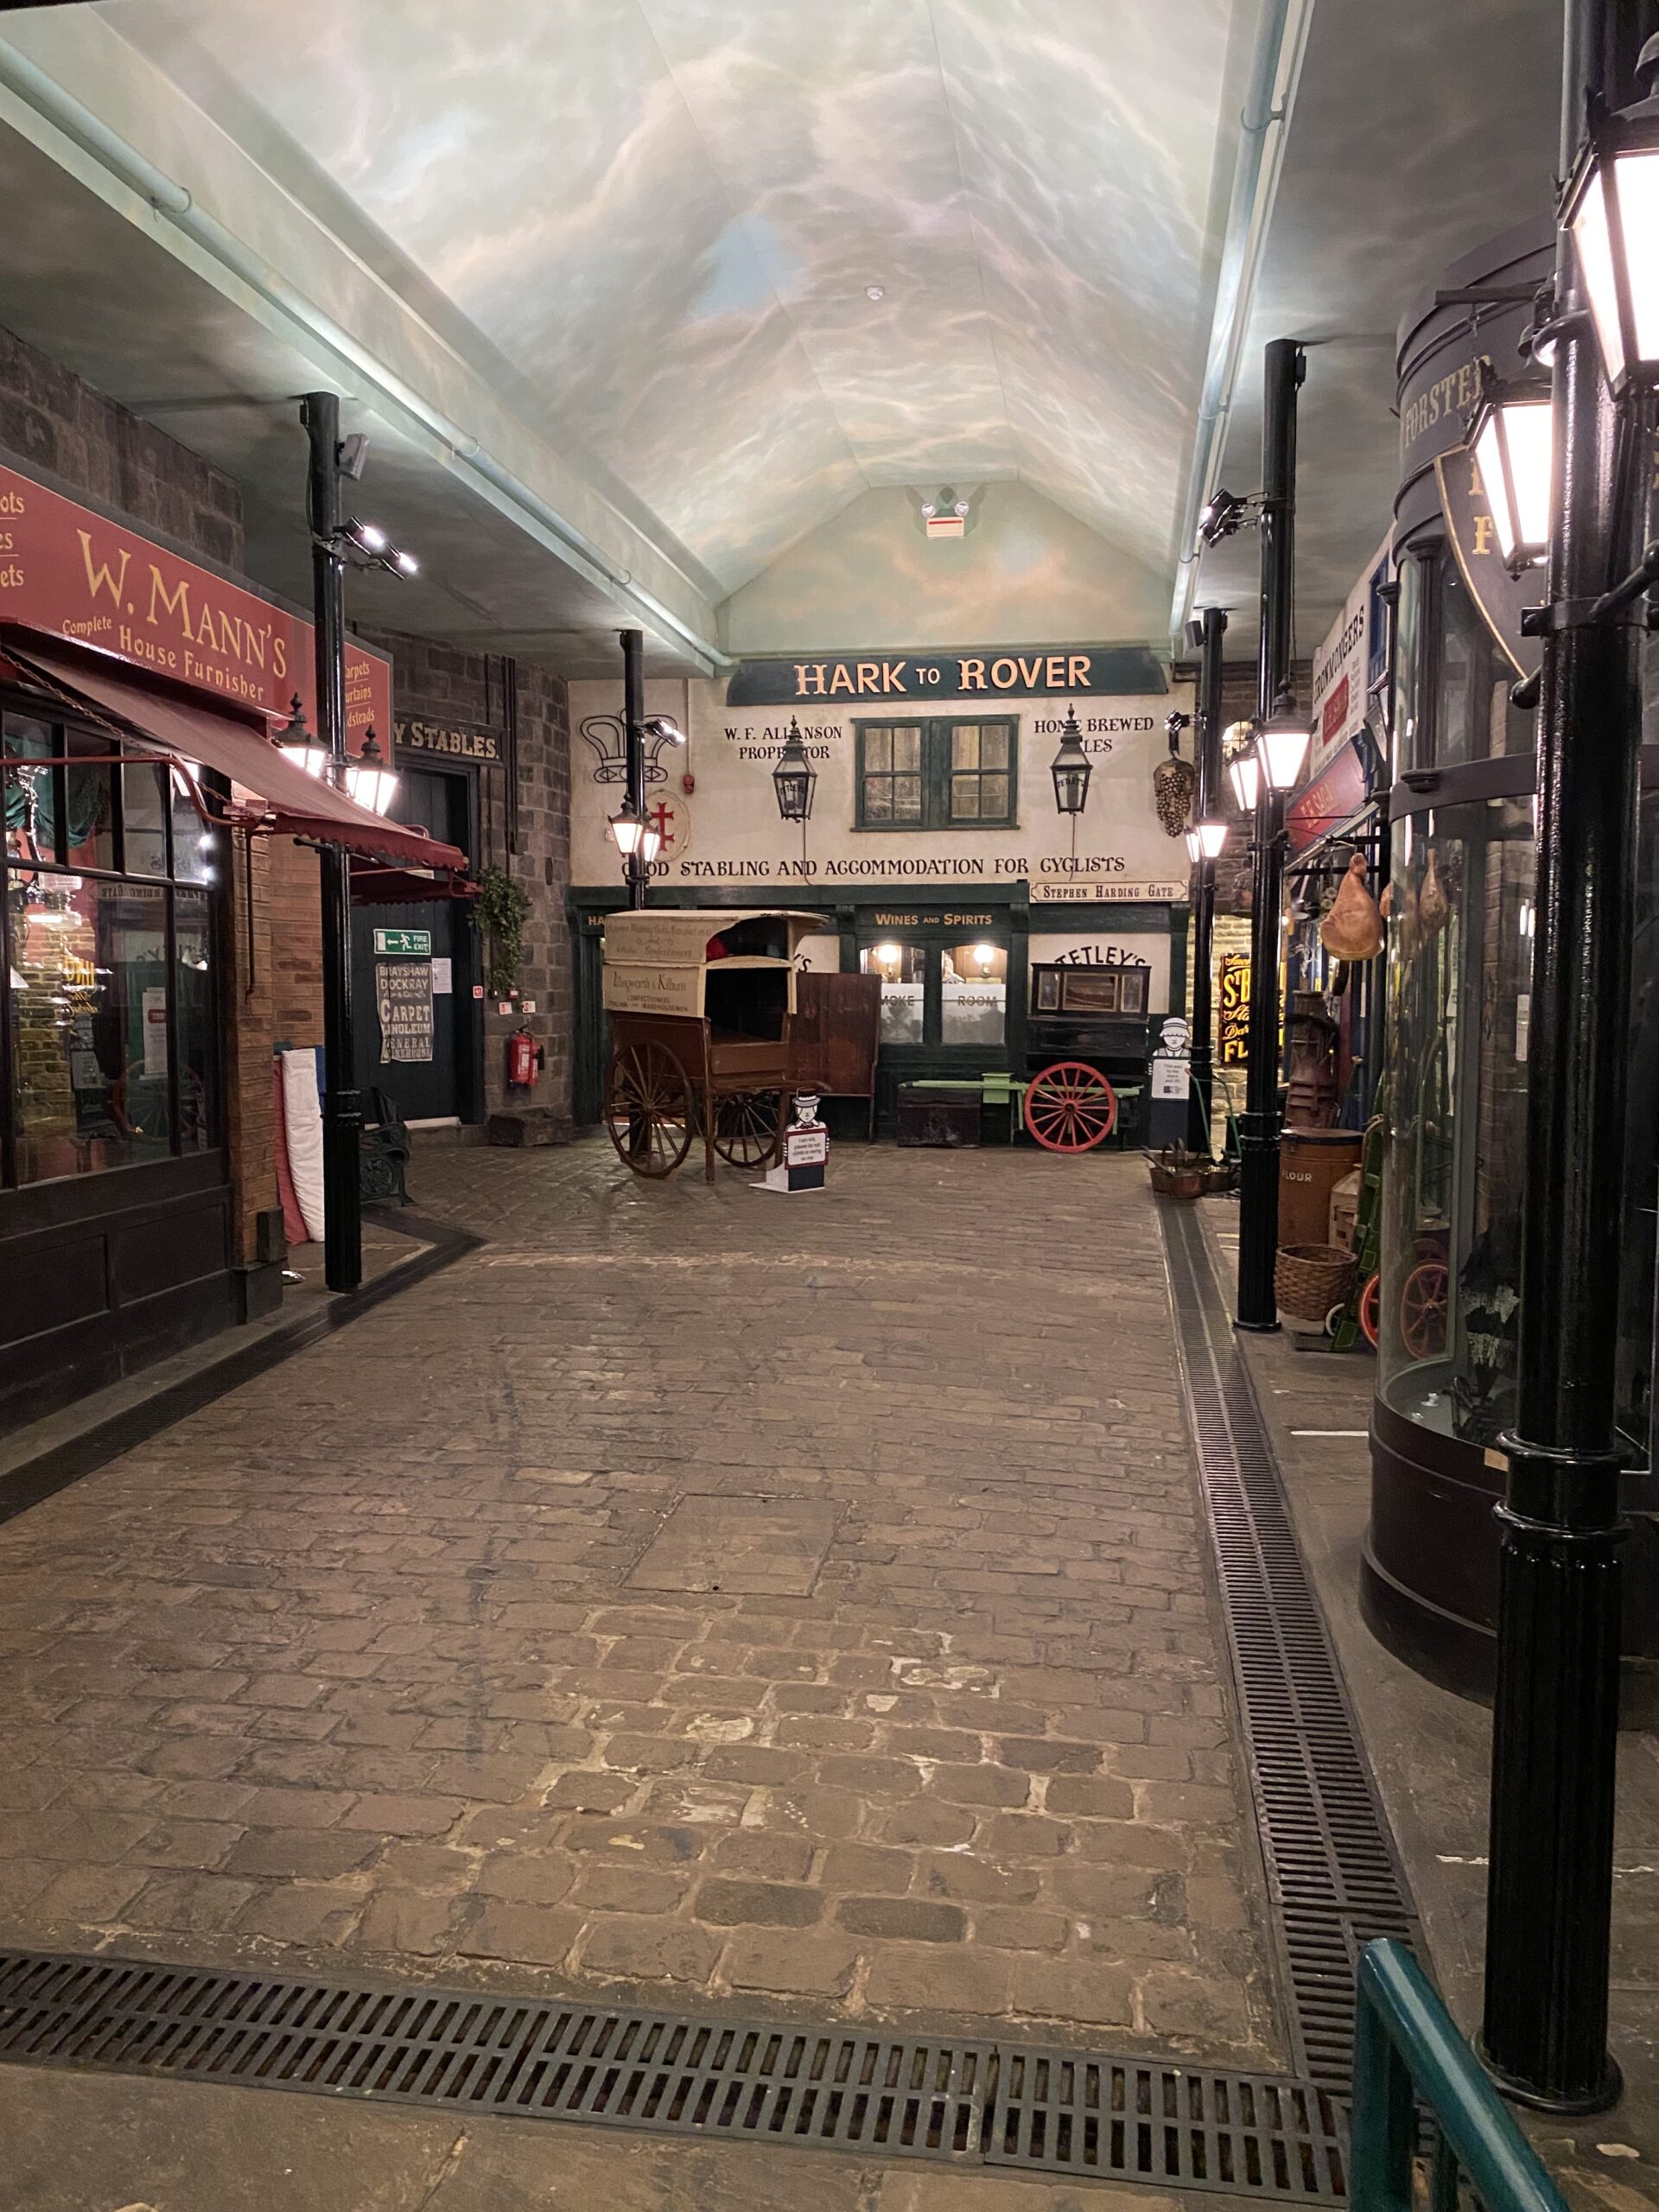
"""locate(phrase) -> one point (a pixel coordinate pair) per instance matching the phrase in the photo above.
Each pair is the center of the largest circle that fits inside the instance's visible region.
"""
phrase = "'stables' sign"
(453, 740)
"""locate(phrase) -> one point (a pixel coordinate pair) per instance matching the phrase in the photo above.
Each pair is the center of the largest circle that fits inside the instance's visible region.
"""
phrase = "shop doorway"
(419, 1030)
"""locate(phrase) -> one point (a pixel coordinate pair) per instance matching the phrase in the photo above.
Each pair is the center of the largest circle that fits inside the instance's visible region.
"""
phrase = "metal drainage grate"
(1332, 1869)
(1135, 2120)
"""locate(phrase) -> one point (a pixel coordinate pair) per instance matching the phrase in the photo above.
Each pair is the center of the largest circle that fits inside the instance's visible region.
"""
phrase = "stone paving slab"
(363, 1667)
(107, 2143)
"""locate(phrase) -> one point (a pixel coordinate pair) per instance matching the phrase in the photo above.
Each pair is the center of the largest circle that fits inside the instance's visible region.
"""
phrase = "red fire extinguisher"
(526, 1060)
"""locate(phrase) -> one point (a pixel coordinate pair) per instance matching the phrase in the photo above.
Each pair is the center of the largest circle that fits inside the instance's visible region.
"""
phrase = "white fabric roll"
(303, 1112)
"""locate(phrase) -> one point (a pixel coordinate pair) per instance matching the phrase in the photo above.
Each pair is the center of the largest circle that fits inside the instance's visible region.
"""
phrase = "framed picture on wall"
(1048, 993)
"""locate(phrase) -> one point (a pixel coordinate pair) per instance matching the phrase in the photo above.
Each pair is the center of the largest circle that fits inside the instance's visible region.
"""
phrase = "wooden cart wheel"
(745, 1127)
(1423, 1310)
(649, 1109)
(1369, 1309)
(1071, 1107)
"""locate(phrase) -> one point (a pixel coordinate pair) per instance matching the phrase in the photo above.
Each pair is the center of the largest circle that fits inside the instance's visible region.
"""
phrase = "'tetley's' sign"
(67, 571)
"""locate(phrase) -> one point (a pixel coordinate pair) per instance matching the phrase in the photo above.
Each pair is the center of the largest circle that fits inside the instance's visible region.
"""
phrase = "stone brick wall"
(441, 682)
(50, 419)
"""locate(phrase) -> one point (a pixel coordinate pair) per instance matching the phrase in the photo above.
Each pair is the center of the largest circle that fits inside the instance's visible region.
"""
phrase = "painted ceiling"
(657, 222)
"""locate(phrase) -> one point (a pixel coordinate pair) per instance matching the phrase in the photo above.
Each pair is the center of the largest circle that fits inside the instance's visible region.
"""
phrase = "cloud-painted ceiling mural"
(666, 218)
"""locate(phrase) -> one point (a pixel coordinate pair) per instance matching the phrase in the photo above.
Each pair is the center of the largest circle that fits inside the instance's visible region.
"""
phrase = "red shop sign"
(68, 572)
(1330, 800)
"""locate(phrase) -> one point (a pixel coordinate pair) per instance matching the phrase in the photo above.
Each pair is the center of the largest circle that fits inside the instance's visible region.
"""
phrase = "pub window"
(109, 982)
(942, 774)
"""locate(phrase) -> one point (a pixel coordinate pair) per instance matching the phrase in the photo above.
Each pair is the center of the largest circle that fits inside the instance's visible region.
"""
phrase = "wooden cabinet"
(834, 1034)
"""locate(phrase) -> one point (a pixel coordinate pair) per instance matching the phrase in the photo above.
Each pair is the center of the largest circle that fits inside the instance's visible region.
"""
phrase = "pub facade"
(935, 843)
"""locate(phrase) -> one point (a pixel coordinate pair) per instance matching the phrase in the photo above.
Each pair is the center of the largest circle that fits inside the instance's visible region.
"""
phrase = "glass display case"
(1453, 1107)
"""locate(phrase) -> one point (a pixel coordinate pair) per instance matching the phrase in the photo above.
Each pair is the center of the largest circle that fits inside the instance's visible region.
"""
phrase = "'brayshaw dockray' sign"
(964, 672)
(68, 572)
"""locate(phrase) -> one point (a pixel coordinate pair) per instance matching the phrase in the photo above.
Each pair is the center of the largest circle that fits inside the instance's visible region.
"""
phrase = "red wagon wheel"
(649, 1109)
(745, 1127)
(1369, 1309)
(1071, 1107)
(1423, 1310)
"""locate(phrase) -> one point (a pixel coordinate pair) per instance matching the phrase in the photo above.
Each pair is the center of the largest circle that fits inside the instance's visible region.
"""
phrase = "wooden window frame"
(937, 772)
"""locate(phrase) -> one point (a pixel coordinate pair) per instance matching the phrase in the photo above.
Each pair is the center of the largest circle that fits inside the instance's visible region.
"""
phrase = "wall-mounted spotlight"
(1223, 513)
(367, 546)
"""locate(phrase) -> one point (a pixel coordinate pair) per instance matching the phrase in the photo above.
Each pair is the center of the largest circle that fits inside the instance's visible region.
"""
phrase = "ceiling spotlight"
(876, 291)
(372, 535)
(1223, 513)
(406, 564)
(665, 727)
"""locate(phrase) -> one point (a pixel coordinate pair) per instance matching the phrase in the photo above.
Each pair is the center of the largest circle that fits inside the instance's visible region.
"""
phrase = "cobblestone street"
(721, 1599)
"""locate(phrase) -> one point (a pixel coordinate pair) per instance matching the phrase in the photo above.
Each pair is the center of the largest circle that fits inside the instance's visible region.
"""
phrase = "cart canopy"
(656, 959)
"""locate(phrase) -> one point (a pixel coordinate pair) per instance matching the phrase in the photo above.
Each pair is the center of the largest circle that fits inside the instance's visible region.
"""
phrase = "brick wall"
(51, 419)
(442, 684)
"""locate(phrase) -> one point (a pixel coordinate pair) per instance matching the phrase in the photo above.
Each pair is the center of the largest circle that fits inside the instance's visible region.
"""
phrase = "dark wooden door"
(444, 1084)
(836, 1027)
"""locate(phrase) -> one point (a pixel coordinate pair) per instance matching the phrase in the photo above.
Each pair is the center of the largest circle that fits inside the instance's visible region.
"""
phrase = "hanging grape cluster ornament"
(1174, 781)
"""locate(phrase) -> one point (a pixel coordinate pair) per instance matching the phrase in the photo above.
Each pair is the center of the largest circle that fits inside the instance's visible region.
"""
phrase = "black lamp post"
(1204, 842)
(342, 1110)
(1258, 1129)
(633, 837)
(1554, 1733)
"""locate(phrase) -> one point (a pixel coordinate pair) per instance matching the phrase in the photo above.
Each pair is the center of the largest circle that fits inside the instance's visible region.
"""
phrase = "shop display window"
(974, 995)
(903, 970)
(110, 985)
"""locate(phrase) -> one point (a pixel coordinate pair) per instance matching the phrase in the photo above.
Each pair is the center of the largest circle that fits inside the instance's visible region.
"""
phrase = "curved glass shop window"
(1454, 1107)
(1452, 696)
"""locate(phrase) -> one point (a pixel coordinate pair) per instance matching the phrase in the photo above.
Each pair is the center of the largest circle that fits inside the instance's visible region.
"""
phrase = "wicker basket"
(1308, 1280)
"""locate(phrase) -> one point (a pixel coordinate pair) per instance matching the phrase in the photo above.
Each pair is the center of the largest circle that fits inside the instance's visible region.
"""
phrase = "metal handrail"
(1407, 2049)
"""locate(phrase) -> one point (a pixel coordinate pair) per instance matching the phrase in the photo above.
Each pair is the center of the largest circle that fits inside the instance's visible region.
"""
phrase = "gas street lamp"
(793, 778)
(634, 836)
(1205, 841)
(1281, 745)
(1612, 209)
(369, 780)
(298, 742)
(1070, 768)
(1513, 435)
(1244, 774)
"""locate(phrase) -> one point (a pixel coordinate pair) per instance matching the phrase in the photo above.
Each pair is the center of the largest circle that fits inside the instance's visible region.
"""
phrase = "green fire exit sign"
(415, 943)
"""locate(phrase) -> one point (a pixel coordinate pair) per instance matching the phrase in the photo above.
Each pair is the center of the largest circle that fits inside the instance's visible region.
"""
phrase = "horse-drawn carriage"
(701, 1003)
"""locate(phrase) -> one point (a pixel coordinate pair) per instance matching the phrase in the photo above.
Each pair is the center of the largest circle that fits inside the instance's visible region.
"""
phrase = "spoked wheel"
(649, 1109)
(1423, 1310)
(1368, 1307)
(1071, 1107)
(745, 1127)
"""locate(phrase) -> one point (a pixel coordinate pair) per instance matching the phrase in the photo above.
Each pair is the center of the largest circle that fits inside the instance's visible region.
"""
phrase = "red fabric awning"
(372, 886)
(297, 804)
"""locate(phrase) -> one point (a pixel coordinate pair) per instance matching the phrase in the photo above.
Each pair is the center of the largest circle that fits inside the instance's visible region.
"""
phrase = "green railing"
(1407, 2052)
